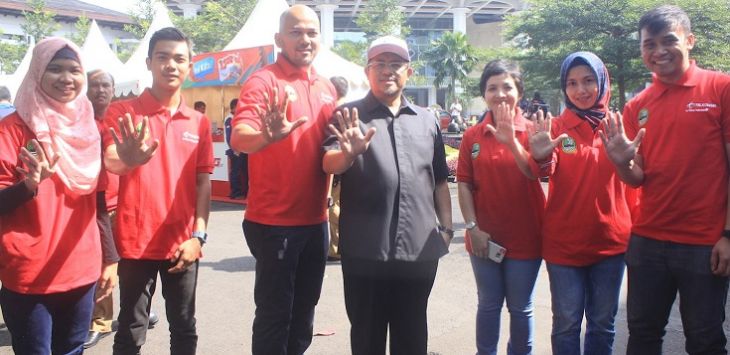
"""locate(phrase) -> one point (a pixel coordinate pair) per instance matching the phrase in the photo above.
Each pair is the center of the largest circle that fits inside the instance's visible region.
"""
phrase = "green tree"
(380, 18)
(142, 15)
(217, 23)
(452, 59)
(10, 55)
(39, 22)
(383, 17)
(352, 51)
(82, 25)
(549, 30)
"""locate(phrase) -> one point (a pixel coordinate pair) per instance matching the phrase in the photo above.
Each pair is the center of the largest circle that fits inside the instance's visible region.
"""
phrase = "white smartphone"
(496, 252)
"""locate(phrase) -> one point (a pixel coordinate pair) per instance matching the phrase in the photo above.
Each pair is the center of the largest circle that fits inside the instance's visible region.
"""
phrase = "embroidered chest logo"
(569, 146)
(700, 106)
(189, 137)
(326, 98)
(643, 116)
(291, 93)
(475, 148)
(31, 148)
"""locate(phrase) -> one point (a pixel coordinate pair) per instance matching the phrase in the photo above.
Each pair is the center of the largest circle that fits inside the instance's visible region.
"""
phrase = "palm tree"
(452, 59)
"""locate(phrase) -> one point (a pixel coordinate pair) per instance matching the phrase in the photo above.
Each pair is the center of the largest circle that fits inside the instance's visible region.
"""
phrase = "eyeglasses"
(394, 66)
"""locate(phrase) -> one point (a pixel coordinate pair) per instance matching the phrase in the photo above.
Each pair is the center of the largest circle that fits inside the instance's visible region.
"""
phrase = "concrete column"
(190, 10)
(460, 19)
(327, 20)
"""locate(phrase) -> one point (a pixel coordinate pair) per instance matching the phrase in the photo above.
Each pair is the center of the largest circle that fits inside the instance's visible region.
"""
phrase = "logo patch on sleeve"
(643, 116)
(475, 148)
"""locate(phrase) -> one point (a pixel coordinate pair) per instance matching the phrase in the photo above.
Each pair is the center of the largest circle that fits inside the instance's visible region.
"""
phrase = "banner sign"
(228, 67)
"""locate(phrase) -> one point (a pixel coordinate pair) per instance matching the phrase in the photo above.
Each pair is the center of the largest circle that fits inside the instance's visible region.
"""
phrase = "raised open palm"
(352, 141)
(131, 142)
(275, 125)
(541, 141)
(619, 148)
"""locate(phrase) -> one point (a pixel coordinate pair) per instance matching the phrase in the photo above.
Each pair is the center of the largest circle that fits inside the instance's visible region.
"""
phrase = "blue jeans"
(592, 290)
(290, 264)
(53, 323)
(657, 270)
(514, 281)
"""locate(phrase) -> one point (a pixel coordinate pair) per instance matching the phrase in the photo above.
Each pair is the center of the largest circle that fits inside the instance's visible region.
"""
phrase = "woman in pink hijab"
(50, 253)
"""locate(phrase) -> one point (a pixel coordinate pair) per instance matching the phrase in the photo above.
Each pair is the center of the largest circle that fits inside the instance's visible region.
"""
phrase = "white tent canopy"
(13, 81)
(96, 53)
(263, 23)
(135, 76)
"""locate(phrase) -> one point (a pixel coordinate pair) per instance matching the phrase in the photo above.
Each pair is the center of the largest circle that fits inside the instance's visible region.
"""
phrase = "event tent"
(135, 76)
(96, 53)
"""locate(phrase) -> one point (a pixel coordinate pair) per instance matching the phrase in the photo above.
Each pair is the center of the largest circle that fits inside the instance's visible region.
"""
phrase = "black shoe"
(154, 318)
(94, 338)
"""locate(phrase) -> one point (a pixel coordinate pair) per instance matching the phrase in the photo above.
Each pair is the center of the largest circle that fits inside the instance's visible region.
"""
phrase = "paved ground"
(225, 303)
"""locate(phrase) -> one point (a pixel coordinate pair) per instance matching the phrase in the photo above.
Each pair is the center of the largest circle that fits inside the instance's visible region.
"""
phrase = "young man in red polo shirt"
(679, 240)
(162, 149)
(281, 120)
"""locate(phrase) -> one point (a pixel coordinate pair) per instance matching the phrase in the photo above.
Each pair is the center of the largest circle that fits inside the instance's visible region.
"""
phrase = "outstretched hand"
(349, 134)
(130, 142)
(37, 166)
(275, 125)
(542, 143)
(620, 150)
(503, 118)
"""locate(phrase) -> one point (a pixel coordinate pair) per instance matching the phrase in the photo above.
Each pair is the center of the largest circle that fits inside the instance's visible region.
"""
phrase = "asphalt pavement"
(225, 305)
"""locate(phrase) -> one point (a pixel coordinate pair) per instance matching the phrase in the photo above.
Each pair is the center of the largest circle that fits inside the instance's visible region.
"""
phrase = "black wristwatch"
(726, 233)
(448, 231)
(202, 237)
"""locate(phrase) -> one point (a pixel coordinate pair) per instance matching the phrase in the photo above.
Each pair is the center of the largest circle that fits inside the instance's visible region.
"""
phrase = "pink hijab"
(68, 129)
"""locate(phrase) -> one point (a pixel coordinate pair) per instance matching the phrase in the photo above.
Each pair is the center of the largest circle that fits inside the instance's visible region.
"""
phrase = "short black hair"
(4, 93)
(99, 71)
(233, 104)
(499, 67)
(169, 34)
(664, 17)
(199, 104)
(341, 86)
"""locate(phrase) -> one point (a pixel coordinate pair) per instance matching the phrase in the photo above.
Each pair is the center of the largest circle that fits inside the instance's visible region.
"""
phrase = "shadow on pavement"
(237, 264)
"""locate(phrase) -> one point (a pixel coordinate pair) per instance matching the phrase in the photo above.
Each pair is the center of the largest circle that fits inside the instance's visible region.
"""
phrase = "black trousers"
(388, 296)
(290, 264)
(238, 175)
(137, 283)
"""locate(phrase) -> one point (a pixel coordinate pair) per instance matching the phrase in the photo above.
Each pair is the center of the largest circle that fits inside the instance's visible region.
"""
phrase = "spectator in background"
(341, 87)
(6, 107)
(238, 173)
(199, 106)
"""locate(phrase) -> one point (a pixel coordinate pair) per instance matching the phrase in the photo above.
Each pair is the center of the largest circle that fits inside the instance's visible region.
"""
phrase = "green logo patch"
(569, 146)
(475, 148)
(643, 116)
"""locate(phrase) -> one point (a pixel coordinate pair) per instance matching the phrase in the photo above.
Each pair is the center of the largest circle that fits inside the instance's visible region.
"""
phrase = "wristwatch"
(202, 237)
(471, 225)
(448, 231)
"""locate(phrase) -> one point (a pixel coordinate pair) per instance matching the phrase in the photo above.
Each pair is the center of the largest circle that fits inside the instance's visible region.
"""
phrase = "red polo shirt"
(508, 205)
(587, 216)
(287, 185)
(684, 193)
(51, 243)
(157, 200)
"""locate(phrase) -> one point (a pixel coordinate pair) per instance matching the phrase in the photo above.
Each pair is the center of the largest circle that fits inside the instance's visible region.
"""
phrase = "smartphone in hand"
(496, 252)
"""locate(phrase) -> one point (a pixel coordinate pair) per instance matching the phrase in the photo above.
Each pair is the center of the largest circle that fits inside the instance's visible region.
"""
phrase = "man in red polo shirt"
(280, 122)
(162, 149)
(679, 240)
